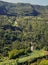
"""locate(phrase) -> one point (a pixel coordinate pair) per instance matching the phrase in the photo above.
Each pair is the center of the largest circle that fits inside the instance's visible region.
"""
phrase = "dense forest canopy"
(18, 32)
(21, 24)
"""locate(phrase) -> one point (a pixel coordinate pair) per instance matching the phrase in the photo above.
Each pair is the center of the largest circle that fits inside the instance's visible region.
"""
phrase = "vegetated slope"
(18, 32)
(16, 9)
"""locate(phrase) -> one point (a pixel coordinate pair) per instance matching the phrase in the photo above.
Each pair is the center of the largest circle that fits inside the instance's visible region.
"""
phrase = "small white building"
(31, 46)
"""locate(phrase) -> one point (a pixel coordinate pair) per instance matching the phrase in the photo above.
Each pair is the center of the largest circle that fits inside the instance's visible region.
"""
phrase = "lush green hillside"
(20, 25)
(22, 9)
(19, 32)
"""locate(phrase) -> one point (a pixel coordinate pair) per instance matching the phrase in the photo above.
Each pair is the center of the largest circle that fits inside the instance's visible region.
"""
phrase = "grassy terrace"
(31, 56)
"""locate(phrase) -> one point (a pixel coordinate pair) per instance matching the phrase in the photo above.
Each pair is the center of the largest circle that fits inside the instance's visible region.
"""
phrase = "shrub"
(15, 53)
(43, 62)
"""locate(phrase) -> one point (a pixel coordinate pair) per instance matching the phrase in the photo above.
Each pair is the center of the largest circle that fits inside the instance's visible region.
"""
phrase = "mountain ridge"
(23, 9)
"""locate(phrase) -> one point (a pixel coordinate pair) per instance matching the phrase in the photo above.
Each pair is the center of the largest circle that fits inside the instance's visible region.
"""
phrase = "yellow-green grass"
(33, 55)
(44, 62)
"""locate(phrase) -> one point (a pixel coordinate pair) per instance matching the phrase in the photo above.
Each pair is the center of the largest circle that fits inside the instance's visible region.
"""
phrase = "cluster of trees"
(18, 32)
